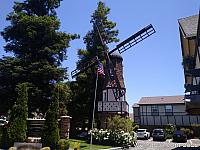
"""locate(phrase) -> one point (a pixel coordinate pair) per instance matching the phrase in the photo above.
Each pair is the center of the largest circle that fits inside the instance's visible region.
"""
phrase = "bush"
(50, 133)
(18, 125)
(76, 146)
(135, 126)
(120, 123)
(63, 144)
(4, 137)
(113, 138)
(188, 132)
(196, 129)
(169, 130)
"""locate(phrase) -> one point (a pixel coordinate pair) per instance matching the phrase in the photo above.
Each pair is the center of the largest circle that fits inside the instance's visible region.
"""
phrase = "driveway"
(193, 144)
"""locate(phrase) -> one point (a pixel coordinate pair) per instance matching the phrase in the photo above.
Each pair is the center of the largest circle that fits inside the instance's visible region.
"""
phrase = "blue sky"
(152, 67)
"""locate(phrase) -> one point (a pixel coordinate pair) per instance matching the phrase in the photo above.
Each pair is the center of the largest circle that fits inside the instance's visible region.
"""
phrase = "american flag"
(100, 69)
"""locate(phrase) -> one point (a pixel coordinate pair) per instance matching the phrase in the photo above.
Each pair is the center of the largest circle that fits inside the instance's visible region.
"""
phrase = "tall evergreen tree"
(38, 48)
(19, 114)
(85, 85)
(50, 134)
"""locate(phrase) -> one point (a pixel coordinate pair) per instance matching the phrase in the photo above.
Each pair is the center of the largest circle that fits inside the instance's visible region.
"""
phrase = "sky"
(152, 67)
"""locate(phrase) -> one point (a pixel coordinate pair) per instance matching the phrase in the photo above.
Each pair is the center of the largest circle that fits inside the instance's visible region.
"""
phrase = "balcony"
(190, 87)
(193, 72)
(192, 103)
(113, 106)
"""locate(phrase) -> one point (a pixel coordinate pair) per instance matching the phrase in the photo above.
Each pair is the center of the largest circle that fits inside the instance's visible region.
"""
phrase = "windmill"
(118, 91)
(121, 47)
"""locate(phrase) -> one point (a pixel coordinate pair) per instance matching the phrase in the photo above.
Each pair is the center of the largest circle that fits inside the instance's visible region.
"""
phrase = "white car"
(3, 122)
(143, 134)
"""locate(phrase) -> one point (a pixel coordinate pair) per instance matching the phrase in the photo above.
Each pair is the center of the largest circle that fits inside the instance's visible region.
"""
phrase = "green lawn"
(85, 146)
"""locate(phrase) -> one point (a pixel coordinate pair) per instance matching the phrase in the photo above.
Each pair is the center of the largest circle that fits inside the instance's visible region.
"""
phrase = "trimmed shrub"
(63, 144)
(17, 124)
(169, 130)
(50, 133)
(188, 132)
(196, 129)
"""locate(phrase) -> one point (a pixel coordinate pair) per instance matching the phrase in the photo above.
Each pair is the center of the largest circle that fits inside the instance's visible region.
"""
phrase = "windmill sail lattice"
(122, 47)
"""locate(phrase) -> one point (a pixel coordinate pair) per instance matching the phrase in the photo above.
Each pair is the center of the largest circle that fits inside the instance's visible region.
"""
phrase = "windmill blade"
(84, 66)
(134, 39)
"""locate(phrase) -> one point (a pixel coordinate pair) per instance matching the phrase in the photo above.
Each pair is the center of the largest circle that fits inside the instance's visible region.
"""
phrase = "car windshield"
(141, 130)
(158, 131)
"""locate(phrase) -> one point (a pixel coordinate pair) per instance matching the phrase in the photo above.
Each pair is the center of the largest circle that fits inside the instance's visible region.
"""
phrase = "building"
(109, 106)
(189, 29)
(161, 110)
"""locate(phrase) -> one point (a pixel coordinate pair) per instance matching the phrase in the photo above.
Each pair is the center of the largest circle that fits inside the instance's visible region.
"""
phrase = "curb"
(114, 148)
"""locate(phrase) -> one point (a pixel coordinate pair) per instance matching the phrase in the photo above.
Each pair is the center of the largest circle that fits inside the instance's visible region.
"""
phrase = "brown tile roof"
(161, 100)
(188, 26)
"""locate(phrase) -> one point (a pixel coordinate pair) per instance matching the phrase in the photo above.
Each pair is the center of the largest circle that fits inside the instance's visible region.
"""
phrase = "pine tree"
(19, 114)
(85, 85)
(38, 48)
(50, 134)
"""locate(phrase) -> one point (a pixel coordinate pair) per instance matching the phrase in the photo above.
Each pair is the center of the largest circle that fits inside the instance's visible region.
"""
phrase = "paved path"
(193, 144)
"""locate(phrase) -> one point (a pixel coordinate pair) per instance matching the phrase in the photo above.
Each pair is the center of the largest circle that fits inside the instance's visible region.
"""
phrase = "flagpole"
(95, 95)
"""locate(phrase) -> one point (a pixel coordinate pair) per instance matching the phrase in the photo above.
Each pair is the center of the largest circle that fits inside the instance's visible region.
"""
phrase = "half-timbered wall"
(177, 117)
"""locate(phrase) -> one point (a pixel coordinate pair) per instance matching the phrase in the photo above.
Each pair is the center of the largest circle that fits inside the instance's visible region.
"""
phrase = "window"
(154, 110)
(104, 96)
(168, 110)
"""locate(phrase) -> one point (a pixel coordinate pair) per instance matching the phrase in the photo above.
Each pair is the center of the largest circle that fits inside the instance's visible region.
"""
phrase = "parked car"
(179, 136)
(143, 134)
(3, 117)
(83, 135)
(158, 134)
(3, 122)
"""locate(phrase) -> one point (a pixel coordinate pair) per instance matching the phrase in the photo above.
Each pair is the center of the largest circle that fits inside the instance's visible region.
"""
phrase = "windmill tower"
(109, 106)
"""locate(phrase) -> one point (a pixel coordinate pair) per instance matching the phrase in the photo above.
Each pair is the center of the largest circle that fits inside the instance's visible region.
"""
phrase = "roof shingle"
(161, 100)
(188, 26)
